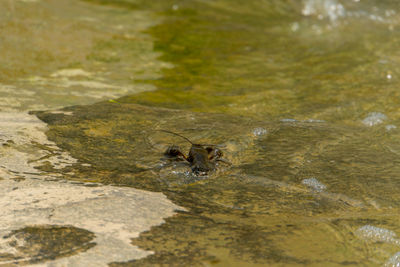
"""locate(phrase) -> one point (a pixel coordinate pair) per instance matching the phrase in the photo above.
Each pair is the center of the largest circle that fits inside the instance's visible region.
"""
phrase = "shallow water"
(300, 95)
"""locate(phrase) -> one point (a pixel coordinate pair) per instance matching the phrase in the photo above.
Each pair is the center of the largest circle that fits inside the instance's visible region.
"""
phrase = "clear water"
(301, 96)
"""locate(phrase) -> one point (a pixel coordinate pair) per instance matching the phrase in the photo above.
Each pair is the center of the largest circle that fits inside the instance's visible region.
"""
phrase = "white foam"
(394, 261)
(330, 9)
(259, 131)
(374, 118)
(377, 234)
(314, 183)
(390, 127)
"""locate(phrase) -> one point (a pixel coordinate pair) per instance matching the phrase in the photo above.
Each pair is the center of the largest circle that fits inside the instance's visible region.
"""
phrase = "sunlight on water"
(331, 9)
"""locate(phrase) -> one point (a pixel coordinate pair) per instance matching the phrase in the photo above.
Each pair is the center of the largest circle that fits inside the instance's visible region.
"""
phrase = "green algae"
(203, 43)
(250, 57)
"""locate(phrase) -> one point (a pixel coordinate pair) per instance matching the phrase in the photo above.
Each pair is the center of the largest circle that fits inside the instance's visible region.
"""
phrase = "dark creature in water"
(202, 158)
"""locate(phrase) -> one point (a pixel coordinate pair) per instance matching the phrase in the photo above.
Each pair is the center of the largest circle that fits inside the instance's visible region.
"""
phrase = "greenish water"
(266, 59)
(302, 97)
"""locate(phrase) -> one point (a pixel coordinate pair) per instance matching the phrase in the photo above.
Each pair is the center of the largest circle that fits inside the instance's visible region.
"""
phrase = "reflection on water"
(302, 97)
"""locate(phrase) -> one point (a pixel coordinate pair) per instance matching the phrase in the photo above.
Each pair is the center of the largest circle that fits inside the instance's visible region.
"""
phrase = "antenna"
(186, 138)
(177, 135)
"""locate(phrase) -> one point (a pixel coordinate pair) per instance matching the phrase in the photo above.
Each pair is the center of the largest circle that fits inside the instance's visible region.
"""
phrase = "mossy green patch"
(202, 43)
(235, 57)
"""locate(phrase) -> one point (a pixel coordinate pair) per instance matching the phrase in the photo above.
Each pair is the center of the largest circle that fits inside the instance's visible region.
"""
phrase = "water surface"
(300, 95)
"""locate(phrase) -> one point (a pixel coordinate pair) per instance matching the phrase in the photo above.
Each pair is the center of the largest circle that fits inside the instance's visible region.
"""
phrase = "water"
(301, 96)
